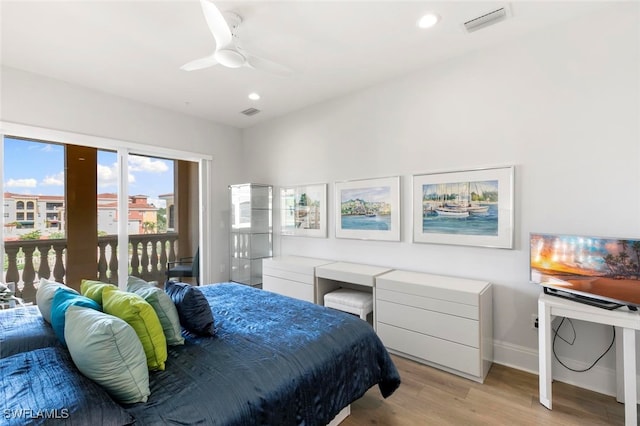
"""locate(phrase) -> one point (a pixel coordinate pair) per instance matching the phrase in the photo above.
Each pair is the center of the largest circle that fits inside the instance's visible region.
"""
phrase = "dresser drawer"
(287, 274)
(436, 324)
(429, 303)
(453, 289)
(289, 288)
(443, 352)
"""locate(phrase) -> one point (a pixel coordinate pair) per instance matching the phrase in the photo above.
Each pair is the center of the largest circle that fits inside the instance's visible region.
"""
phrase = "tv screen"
(600, 271)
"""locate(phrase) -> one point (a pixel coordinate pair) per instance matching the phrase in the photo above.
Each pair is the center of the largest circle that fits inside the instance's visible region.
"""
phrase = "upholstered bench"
(352, 301)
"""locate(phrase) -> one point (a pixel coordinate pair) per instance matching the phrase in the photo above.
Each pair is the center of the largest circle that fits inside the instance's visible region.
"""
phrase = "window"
(171, 217)
(20, 216)
(29, 216)
(150, 184)
(53, 206)
(148, 191)
(20, 205)
(29, 205)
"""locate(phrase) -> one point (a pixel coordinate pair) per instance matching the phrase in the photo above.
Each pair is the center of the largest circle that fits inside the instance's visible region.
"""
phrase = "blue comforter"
(24, 329)
(273, 361)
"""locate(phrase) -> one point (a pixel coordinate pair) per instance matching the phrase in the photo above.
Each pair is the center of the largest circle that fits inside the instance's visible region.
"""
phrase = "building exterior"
(25, 213)
(169, 200)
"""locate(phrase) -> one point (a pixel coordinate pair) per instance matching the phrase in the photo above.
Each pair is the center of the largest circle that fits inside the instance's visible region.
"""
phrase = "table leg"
(544, 353)
(630, 392)
(619, 366)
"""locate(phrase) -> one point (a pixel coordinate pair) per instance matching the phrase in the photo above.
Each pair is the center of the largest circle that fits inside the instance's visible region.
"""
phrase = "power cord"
(556, 335)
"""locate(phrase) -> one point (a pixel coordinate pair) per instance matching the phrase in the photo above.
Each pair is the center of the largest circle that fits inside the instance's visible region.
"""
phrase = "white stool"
(352, 301)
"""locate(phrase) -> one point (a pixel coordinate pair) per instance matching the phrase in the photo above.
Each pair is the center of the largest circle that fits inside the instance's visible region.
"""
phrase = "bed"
(23, 329)
(273, 361)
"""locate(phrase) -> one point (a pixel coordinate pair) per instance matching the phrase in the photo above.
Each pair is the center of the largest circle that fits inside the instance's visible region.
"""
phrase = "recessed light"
(428, 20)
(254, 96)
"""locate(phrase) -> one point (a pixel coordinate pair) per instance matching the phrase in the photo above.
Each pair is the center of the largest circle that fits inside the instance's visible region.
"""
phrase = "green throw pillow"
(164, 307)
(107, 350)
(140, 315)
(93, 289)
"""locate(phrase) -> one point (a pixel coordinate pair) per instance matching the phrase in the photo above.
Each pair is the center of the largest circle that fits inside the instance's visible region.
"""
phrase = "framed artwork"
(368, 209)
(472, 208)
(304, 210)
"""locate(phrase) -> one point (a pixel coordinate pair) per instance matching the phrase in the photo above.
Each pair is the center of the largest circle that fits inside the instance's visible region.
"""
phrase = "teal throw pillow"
(62, 299)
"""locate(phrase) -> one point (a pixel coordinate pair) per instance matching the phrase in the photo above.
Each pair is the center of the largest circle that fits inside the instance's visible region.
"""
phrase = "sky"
(371, 195)
(37, 168)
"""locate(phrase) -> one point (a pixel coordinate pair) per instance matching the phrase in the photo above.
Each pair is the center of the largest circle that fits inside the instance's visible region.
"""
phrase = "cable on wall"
(556, 335)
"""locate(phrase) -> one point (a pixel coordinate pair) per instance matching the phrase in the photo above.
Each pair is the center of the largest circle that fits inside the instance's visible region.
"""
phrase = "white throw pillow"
(107, 350)
(44, 296)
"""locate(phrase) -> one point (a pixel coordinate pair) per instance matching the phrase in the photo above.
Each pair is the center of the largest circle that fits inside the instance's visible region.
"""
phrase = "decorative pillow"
(163, 305)
(143, 318)
(107, 350)
(62, 299)
(193, 309)
(46, 381)
(44, 296)
(135, 283)
(93, 289)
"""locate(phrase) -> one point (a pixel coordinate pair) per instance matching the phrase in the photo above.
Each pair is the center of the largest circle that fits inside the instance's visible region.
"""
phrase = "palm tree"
(635, 246)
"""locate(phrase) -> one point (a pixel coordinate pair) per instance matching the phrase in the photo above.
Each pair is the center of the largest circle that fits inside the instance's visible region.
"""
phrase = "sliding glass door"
(68, 207)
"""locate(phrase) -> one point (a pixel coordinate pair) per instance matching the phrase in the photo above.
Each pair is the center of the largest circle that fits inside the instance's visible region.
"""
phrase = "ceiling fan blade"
(198, 64)
(267, 65)
(217, 24)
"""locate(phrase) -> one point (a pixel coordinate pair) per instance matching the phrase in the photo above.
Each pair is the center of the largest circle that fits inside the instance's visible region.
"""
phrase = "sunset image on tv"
(604, 268)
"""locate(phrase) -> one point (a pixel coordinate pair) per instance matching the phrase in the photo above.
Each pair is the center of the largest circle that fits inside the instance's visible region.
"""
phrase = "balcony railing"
(148, 257)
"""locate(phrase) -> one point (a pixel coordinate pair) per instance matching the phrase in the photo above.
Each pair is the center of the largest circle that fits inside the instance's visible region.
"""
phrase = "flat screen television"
(603, 272)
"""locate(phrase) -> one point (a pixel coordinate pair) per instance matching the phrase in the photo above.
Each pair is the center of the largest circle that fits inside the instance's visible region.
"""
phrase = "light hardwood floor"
(428, 396)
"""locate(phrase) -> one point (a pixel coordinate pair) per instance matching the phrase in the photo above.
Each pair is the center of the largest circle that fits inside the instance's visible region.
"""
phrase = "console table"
(627, 321)
(349, 275)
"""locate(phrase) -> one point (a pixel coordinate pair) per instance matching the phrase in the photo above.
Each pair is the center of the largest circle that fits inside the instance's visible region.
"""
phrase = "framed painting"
(472, 207)
(303, 210)
(368, 209)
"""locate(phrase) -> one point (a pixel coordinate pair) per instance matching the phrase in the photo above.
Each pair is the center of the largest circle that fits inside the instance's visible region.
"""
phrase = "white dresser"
(292, 276)
(445, 322)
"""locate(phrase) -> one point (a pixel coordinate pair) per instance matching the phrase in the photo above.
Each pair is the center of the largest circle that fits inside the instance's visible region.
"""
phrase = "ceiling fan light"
(229, 58)
(428, 20)
(254, 96)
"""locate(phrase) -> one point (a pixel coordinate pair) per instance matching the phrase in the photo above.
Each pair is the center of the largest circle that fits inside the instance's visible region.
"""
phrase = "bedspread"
(273, 361)
(24, 329)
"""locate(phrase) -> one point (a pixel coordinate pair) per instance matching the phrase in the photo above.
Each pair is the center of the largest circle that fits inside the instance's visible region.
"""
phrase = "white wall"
(44, 102)
(562, 105)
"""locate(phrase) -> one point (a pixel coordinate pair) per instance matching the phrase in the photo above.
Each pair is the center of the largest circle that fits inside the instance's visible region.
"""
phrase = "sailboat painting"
(466, 208)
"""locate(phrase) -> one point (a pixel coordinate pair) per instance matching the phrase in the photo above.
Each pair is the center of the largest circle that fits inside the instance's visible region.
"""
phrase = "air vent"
(250, 111)
(487, 19)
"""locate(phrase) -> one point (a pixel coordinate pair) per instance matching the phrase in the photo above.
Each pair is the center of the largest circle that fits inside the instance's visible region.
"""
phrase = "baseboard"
(598, 379)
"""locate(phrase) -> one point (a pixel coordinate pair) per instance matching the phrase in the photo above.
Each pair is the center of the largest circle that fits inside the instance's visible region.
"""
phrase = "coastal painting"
(304, 210)
(368, 209)
(466, 207)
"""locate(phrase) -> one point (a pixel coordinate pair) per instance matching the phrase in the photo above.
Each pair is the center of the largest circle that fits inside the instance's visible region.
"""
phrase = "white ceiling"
(134, 48)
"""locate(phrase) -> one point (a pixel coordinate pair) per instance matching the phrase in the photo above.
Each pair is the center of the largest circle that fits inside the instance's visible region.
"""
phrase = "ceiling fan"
(228, 53)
